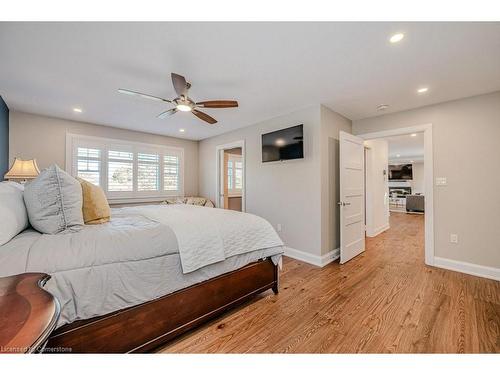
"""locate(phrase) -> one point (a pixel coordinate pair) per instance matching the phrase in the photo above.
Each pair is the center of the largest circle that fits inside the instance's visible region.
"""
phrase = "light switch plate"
(453, 238)
(441, 181)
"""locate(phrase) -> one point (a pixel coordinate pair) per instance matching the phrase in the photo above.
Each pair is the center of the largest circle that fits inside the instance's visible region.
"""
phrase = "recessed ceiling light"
(397, 38)
(77, 110)
(398, 155)
(413, 134)
(422, 90)
(182, 130)
(382, 107)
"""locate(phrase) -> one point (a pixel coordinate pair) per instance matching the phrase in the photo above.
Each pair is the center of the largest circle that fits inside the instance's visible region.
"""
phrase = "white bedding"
(104, 268)
(210, 235)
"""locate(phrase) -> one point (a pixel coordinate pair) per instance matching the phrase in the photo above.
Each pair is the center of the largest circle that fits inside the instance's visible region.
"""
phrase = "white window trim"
(73, 141)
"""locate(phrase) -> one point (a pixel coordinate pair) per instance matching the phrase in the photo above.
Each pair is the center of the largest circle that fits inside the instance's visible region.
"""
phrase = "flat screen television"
(400, 172)
(284, 144)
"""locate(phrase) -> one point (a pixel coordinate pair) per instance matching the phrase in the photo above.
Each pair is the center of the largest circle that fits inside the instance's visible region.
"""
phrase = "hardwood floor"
(384, 301)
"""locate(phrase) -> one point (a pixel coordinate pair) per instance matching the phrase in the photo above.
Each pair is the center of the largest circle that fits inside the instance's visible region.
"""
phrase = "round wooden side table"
(28, 313)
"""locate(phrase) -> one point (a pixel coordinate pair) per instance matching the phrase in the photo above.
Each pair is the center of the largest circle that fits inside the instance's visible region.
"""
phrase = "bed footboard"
(146, 326)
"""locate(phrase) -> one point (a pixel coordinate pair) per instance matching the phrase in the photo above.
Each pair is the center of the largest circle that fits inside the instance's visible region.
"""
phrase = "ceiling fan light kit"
(183, 103)
(184, 107)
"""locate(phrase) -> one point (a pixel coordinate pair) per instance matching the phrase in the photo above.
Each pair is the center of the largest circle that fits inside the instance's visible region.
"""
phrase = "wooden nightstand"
(28, 313)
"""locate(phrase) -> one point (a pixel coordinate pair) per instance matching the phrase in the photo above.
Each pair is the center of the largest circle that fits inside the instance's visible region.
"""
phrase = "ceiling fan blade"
(204, 116)
(167, 113)
(180, 84)
(218, 104)
(145, 96)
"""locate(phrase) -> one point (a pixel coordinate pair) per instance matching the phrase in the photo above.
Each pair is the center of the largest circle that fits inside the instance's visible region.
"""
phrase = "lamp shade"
(23, 169)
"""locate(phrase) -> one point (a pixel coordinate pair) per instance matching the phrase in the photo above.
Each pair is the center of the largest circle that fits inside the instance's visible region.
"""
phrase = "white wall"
(44, 138)
(466, 150)
(286, 193)
(377, 203)
(418, 183)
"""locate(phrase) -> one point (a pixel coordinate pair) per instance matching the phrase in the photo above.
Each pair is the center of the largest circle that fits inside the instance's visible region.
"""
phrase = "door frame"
(428, 178)
(218, 173)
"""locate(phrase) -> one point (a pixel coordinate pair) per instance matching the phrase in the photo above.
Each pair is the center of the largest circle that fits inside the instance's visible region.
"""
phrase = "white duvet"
(209, 235)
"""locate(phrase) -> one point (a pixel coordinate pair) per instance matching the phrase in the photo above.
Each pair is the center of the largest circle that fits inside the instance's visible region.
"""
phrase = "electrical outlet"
(453, 238)
(278, 227)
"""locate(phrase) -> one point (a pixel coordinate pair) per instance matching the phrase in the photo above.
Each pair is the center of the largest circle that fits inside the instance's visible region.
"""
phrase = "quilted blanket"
(209, 235)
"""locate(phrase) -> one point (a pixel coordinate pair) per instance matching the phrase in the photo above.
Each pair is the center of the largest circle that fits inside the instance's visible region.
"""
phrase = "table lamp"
(23, 170)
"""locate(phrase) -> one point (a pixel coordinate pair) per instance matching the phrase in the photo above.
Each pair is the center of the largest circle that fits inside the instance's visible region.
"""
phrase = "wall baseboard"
(377, 231)
(316, 260)
(449, 264)
(468, 268)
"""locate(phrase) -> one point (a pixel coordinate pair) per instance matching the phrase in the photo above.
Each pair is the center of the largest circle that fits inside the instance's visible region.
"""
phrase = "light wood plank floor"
(384, 301)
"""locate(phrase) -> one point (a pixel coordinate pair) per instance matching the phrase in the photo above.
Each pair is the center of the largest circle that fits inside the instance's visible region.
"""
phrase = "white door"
(352, 196)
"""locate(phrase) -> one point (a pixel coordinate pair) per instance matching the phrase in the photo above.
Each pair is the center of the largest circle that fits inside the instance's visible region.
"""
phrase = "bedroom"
(167, 243)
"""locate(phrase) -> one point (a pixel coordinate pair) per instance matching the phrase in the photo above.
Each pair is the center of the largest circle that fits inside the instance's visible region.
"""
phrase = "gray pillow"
(54, 201)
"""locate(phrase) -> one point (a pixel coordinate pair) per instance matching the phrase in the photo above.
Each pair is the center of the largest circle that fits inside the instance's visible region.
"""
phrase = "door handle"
(343, 203)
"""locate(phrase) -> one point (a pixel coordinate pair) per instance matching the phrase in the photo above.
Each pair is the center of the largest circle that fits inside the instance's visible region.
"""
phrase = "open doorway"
(394, 179)
(231, 176)
(399, 183)
(406, 167)
(364, 163)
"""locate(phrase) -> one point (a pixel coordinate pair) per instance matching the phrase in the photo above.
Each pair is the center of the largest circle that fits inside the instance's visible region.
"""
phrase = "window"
(171, 172)
(120, 171)
(234, 174)
(230, 175)
(238, 175)
(148, 172)
(126, 170)
(89, 164)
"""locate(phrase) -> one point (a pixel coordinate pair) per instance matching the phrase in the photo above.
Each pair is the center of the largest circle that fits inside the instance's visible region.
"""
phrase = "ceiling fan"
(183, 102)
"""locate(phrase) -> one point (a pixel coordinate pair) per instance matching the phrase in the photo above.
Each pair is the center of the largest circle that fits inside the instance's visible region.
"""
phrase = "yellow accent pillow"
(95, 205)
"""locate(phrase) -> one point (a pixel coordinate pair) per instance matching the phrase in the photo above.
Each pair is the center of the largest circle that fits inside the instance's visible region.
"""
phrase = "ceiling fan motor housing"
(183, 102)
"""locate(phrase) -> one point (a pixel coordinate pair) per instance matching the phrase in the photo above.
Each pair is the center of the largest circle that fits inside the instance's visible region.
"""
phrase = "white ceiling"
(407, 147)
(270, 68)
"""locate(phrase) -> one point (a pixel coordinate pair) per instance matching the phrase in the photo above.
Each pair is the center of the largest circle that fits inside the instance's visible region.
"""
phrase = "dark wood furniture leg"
(144, 327)
(276, 285)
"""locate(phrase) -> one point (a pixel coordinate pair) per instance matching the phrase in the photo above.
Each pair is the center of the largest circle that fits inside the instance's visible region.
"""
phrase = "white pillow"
(13, 215)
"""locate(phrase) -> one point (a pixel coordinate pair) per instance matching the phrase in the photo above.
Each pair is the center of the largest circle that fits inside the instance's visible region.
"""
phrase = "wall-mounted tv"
(400, 172)
(284, 144)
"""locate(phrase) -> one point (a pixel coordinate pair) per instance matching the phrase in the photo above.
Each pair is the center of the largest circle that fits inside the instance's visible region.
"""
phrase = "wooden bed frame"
(146, 326)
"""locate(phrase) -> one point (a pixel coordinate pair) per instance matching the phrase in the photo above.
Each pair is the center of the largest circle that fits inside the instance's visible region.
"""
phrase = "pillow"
(197, 201)
(209, 204)
(13, 215)
(95, 204)
(54, 201)
(175, 200)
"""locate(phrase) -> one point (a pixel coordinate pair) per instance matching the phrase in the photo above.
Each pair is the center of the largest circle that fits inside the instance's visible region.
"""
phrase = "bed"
(148, 275)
